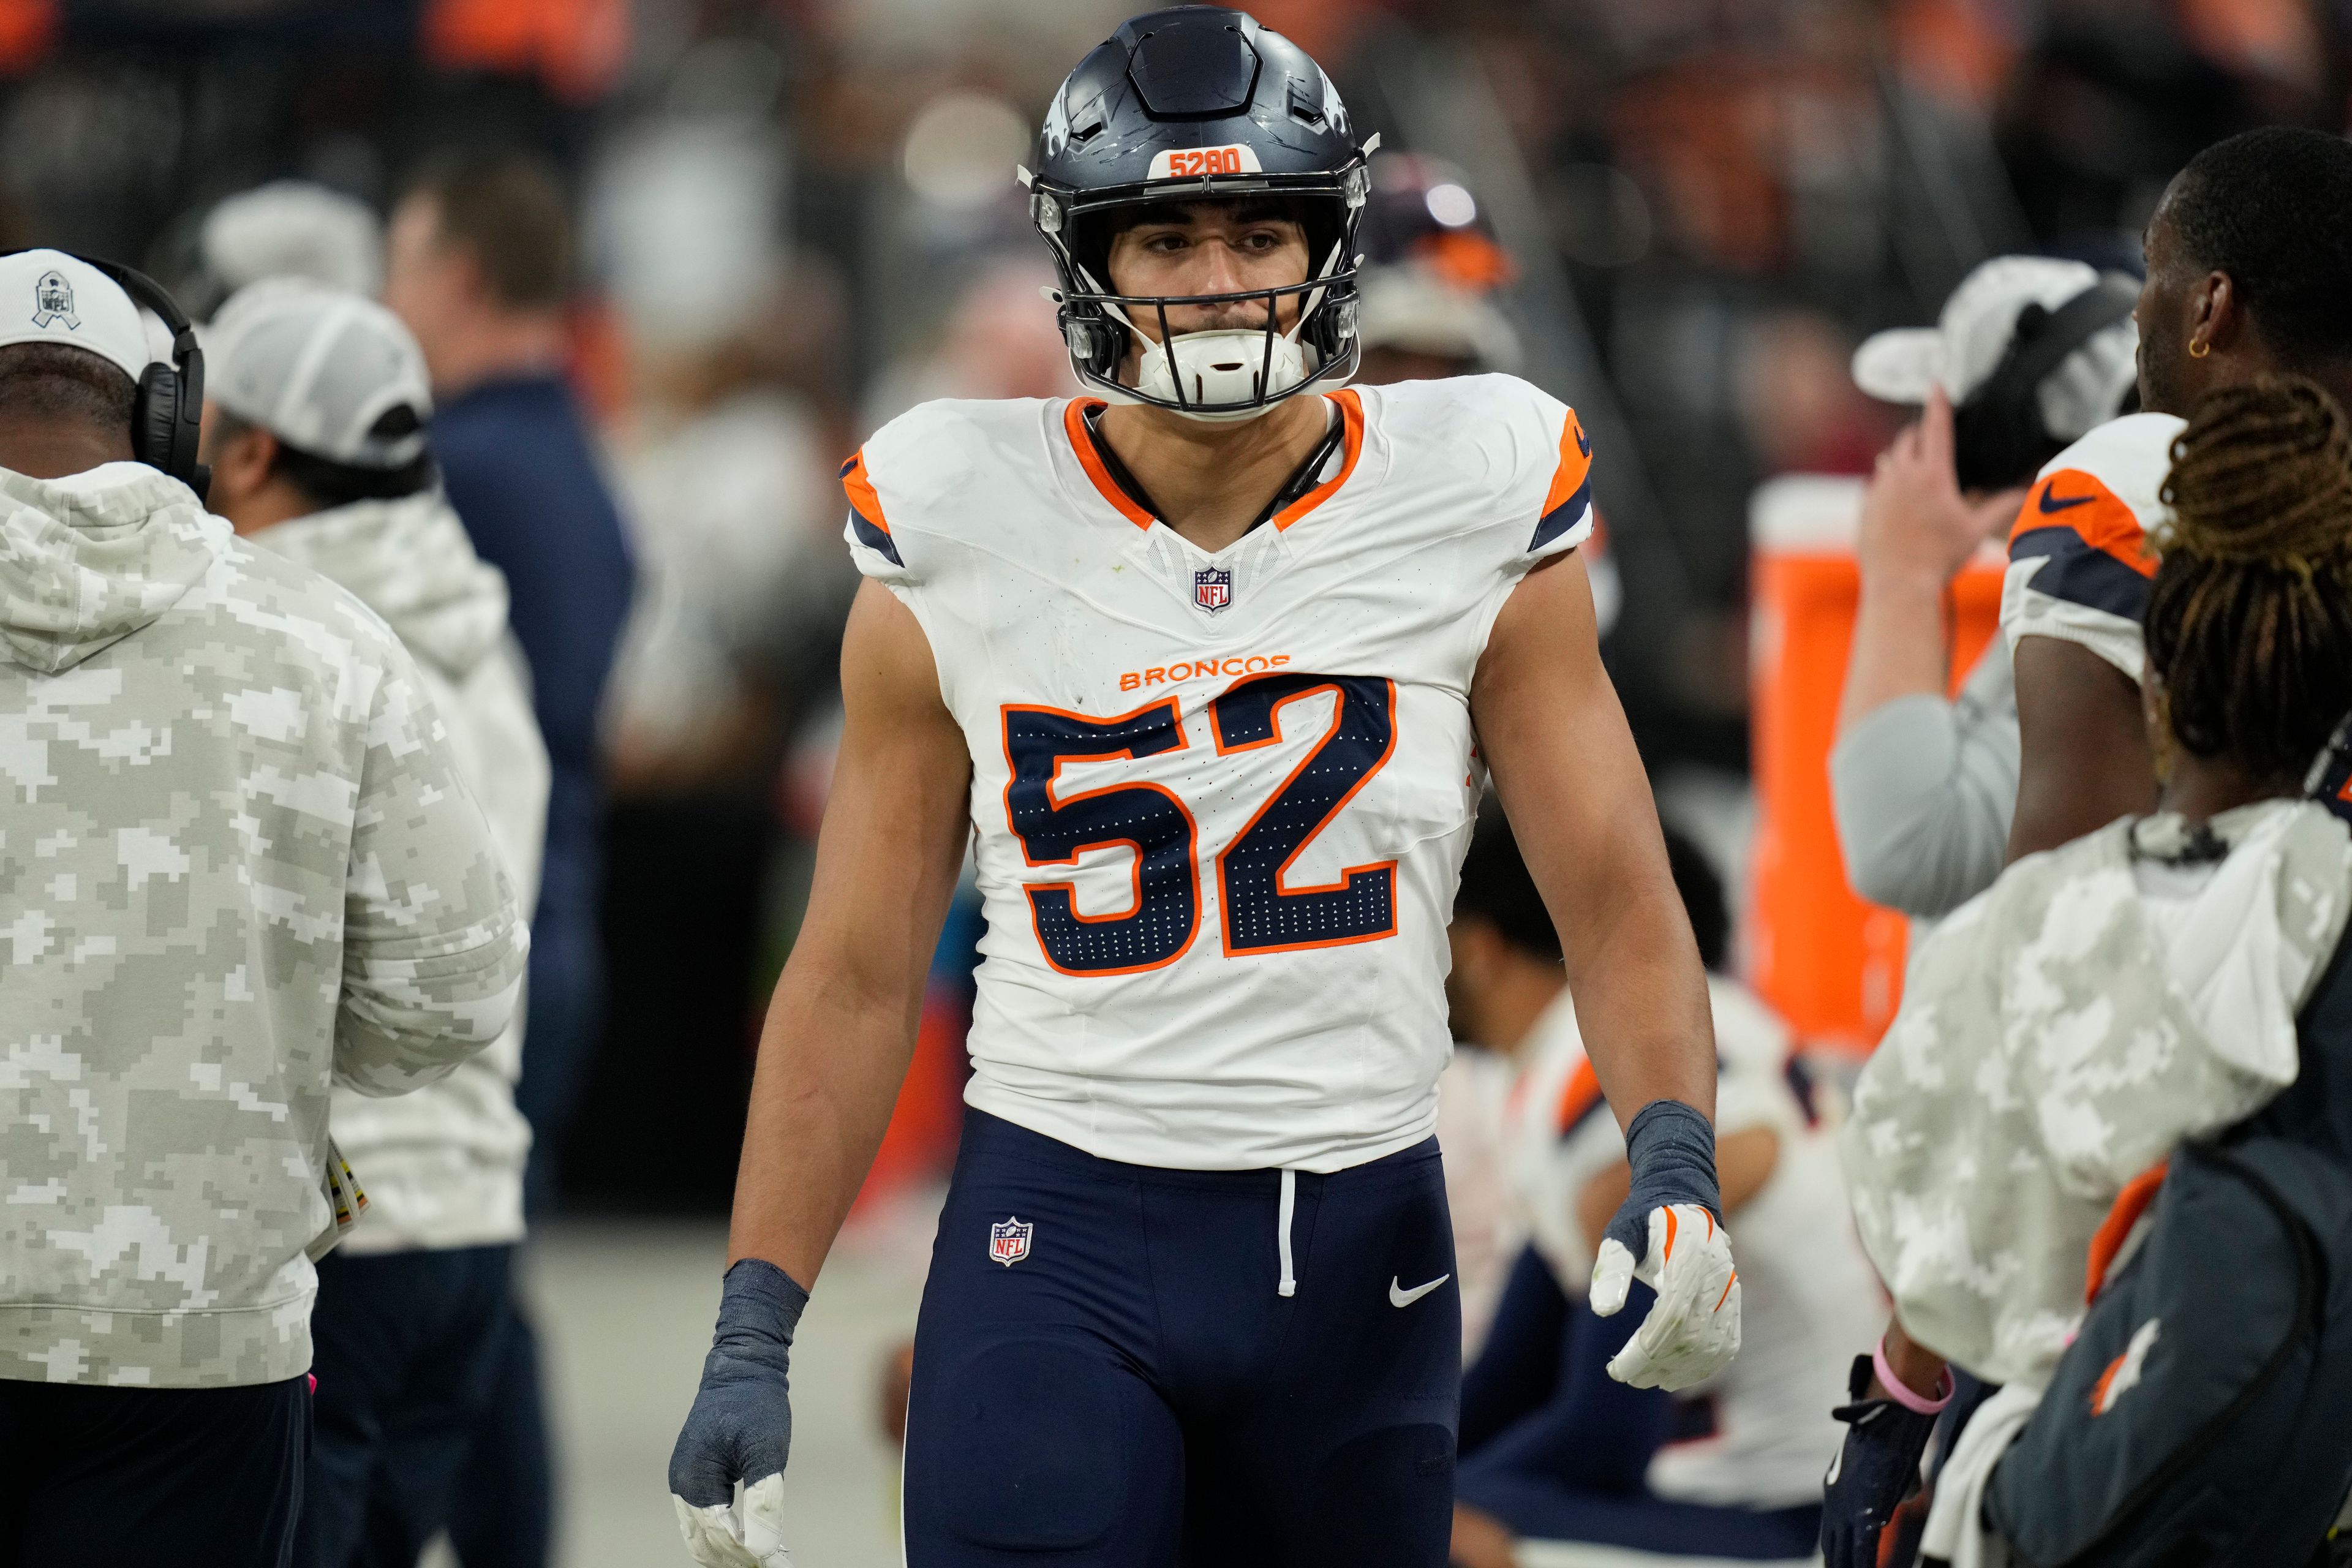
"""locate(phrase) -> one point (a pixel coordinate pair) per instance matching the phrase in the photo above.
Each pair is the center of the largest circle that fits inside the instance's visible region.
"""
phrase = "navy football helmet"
(1200, 103)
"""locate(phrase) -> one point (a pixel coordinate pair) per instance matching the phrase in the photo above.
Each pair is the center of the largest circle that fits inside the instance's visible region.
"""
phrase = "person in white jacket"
(2062, 1032)
(237, 860)
(315, 427)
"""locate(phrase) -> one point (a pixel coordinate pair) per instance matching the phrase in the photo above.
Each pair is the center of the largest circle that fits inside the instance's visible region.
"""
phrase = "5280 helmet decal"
(1201, 104)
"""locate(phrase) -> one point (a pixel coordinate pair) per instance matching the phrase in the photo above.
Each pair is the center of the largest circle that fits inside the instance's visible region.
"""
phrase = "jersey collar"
(1082, 446)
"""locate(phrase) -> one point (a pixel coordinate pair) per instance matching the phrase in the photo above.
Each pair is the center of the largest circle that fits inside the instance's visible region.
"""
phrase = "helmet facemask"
(1217, 375)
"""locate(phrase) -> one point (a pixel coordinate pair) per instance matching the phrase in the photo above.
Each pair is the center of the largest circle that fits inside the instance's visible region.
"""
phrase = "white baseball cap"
(48, 297)
(294, 228)
(1973, 332)
(319, 368)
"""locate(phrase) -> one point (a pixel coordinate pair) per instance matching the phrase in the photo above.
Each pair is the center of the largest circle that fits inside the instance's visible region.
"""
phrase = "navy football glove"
(1877, 1468)
(740, 1428)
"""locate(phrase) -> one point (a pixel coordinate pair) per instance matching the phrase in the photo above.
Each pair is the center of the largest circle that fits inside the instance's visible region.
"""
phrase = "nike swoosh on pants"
(1399, 1296)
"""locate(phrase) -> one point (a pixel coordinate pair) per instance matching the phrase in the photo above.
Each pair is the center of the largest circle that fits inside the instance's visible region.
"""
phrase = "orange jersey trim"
(1577, 1096)
(1575, 464)
(859, 487)
(2130, 1203)
(2077, 501)
(1074, 427)
(1082, 443)
(1352, 421)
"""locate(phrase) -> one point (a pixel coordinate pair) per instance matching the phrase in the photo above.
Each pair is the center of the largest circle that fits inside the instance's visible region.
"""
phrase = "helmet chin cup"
(1222, 375)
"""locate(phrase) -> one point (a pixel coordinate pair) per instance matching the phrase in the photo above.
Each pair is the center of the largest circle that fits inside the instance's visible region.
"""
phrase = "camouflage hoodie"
(2062, 1033)
(443, 1167)
(236, 859)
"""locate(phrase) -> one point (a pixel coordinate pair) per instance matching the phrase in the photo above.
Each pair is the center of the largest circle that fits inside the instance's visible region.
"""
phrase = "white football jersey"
(2081, 556)
(1809, 1299)
(1219, 802)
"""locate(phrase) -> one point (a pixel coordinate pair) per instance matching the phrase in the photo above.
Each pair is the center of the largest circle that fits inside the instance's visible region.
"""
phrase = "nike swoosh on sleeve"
(2103, 523)
(1399, 1296)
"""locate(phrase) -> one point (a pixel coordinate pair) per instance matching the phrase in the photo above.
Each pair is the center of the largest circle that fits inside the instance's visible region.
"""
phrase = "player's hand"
(1916, 519)
(1693, 1331)
(726, 1475)
(1876, 1468)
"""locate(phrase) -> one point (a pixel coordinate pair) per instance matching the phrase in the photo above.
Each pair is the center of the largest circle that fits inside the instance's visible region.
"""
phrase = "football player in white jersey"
(2249, 267)
(1208, 667)
(1551, 1450)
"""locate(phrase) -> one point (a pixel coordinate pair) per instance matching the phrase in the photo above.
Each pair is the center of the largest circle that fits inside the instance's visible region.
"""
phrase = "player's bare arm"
(839, 1035)
(1564, 763)
(2083, 751)
(841, 1030)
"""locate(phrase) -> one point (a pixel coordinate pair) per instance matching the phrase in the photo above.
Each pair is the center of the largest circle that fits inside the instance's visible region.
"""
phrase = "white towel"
(1956, 1532)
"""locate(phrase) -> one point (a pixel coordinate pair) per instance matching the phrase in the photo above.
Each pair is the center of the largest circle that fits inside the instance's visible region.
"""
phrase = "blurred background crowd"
(793, 219)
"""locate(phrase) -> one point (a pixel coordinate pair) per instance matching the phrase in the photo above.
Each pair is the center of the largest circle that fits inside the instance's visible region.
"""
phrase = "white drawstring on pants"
(1289, 1285)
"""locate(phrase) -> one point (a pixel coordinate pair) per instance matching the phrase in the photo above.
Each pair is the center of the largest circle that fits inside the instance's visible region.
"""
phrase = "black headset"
(168, 415)
(1998, 437)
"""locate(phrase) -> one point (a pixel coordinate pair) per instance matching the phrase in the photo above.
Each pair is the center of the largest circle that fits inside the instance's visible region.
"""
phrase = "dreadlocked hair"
(2249, 618)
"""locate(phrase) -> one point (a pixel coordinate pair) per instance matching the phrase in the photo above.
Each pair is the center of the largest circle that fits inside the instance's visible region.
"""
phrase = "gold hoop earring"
(2198, 348)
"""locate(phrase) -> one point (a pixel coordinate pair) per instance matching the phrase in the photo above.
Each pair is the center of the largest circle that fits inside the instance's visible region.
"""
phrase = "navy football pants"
(196, 1477)
(1132, 1391)
(1558, 1450)
(406, 1346)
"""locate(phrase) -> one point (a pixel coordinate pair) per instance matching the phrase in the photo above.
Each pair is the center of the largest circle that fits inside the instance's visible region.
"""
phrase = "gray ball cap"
(318, 368)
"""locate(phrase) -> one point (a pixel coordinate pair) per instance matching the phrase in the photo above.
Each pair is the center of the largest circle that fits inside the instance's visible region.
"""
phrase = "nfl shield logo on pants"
(1008, 1241)
(1213, 588)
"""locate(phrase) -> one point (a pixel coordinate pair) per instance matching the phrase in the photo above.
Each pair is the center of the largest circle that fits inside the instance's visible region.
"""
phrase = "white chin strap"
(1218, 375)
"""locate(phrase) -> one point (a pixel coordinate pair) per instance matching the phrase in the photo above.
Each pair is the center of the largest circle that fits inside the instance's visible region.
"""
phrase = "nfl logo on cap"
(1213, 588)
(53, 301)
(1008, 1241)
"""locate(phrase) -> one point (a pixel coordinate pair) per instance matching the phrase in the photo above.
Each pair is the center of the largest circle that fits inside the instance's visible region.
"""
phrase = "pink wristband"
(1900, 1391)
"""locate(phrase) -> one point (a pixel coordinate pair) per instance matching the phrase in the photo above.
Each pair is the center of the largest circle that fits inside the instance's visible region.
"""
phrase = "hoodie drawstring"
(1289, 1285)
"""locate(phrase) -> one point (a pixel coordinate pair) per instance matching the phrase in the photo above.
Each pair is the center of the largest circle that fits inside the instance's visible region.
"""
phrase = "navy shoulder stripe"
(2081, 575)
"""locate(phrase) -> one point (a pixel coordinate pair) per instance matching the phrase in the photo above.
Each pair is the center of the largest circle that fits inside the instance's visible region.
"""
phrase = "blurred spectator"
(733, 495)
(2112, 99)
(288, 228)
(1798, 401)
(315, 431)
(999, 340)
(1431, 267)
(481, 269)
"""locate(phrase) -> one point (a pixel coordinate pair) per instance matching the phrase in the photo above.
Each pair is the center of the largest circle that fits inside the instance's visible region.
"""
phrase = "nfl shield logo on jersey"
(1008, 1241)
(1213, 588)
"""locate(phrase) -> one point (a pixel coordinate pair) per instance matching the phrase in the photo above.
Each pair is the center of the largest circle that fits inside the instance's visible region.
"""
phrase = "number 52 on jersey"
(1261, 911)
